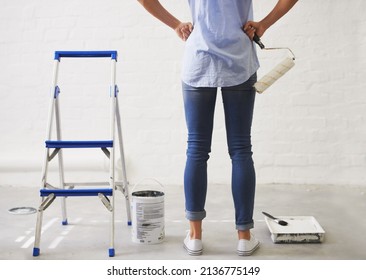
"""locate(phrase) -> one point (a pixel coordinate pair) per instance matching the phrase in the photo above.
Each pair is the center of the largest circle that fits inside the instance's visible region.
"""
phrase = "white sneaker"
(193, 246)
(247, 247)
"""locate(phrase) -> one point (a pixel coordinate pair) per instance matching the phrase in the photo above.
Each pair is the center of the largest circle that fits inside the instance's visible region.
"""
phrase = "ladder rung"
(111, 54)
(76, 192)
(79, 144)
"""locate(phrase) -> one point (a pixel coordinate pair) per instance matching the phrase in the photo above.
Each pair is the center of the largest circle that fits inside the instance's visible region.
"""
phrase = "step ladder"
(104, 190)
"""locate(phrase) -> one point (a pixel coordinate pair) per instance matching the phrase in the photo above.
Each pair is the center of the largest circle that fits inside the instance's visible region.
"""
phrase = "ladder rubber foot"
(36, 252)
(111, 252)
(129, 223)
(65, 223)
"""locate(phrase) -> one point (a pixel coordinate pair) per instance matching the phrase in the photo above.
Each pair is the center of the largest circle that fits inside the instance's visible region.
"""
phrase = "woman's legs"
(199, 105)
(238, 105)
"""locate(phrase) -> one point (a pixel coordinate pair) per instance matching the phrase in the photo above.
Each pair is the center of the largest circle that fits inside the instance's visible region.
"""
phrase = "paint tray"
(300, 229)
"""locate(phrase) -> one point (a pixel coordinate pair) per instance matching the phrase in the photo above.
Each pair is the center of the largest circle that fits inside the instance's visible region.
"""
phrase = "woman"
(219, 54)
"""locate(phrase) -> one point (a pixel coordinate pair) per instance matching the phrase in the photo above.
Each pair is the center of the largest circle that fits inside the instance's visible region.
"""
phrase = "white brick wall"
(309, 128)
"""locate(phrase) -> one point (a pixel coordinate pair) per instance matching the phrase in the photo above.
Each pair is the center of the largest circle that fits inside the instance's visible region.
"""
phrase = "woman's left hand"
(252, 27)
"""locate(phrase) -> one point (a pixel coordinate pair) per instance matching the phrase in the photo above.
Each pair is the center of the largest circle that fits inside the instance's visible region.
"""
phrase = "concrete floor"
(341, 211)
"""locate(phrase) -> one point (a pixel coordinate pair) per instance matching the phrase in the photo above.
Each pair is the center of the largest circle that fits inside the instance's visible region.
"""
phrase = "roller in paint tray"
(277, 72)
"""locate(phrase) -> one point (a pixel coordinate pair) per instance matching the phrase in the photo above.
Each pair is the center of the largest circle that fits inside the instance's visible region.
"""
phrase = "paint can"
(147, 210)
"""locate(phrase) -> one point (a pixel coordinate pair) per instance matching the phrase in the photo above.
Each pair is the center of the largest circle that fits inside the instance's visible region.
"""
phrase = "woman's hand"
(281, 8)
(183, 30)
(252, 27)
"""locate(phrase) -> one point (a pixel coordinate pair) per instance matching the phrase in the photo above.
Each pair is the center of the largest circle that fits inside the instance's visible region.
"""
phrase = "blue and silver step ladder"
(53, 148)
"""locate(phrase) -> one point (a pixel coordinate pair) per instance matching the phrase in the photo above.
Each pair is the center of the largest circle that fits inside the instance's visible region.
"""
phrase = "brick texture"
(309, 127)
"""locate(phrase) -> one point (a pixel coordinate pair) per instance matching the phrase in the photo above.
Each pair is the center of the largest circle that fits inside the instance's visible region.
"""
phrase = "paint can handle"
(151, 179)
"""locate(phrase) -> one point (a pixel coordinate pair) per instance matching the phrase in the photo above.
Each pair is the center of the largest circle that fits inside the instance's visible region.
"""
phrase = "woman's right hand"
(183, 30)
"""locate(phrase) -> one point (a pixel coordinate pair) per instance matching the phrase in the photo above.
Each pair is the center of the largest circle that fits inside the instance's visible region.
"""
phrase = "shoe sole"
(248, 253)
(192, 252)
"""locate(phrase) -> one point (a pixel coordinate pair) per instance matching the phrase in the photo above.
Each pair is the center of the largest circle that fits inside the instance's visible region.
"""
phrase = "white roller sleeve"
(274, 74)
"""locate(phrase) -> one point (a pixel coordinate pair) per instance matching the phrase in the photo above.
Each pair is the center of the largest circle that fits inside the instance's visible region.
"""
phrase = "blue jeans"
(199, 104)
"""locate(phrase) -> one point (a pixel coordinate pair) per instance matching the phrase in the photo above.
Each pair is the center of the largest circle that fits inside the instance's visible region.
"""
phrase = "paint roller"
(277, 72)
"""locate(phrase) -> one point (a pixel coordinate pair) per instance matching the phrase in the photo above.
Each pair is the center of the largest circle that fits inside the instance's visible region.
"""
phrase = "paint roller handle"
(258, 41)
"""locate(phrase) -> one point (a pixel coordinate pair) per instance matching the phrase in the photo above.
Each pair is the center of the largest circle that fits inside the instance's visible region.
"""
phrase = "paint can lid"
(22, 210)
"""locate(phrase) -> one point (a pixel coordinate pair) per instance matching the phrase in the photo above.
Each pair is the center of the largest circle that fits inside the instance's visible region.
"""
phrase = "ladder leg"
(38, 231)
(112, 185)
(123, 164)
(112, 153)
(60, 162)
(112, 229)
(37, 238)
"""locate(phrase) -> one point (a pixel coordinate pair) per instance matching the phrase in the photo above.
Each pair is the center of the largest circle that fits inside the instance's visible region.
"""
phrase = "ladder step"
(76, 192)
(111, 54)
(79, 144)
